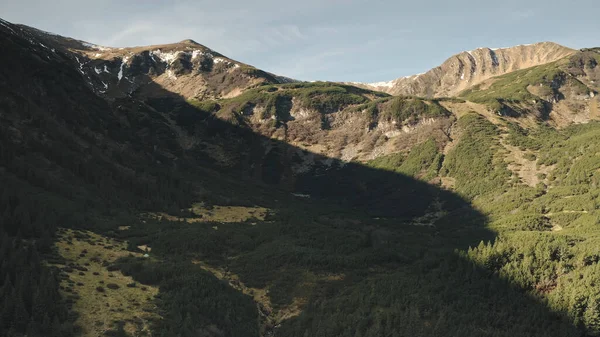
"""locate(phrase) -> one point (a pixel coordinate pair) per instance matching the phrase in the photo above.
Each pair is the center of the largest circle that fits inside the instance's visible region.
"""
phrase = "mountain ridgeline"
(469, 68)
(169, 190)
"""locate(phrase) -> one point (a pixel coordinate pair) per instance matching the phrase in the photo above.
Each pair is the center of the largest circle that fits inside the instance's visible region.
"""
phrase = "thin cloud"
(522, 14)
(307, 66)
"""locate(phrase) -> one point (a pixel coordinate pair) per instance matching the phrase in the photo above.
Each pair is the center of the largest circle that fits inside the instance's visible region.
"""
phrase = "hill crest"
(468, 68)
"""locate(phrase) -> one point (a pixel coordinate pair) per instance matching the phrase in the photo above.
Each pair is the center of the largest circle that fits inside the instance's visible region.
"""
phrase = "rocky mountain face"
(469, 68)
(136, 109)
(326, 120)
(300, 126)
(187, 68)
(561, 92)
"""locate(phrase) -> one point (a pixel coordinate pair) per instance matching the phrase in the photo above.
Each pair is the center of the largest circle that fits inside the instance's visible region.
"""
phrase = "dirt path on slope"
(518, 162)
(524, 168)
(461, 109)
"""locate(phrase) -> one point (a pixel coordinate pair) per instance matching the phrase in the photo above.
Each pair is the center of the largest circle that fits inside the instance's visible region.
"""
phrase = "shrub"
(112, 286)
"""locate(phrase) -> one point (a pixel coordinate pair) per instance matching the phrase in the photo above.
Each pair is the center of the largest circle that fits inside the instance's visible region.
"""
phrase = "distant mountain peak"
(186, 68)
(535, 44)
(471, 67)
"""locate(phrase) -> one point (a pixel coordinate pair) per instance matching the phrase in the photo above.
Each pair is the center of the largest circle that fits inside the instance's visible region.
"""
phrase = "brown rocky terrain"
(469, 68)
(318, 121)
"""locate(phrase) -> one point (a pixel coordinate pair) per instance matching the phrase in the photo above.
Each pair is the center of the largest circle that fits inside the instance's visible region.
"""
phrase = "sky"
(330, 40)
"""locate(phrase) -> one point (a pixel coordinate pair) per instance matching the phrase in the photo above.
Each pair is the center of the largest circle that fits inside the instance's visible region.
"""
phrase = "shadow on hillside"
(370, 253)
(373, 252)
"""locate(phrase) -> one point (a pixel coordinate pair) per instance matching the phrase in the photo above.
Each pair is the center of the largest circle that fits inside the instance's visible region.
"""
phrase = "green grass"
(510, 92)
(547, 237)
(513, 86)
(325, 98)
(118, 301)
(402, 108)
(276, 100)
(474, 162)
(423, 161)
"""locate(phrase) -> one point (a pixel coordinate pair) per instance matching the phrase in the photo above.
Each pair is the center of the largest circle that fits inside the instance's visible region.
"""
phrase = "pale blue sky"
(335, 40)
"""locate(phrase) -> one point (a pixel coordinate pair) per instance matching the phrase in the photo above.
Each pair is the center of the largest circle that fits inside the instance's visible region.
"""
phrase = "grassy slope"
(275, 101)
(547, 234)
(526, 90)
(306, 254)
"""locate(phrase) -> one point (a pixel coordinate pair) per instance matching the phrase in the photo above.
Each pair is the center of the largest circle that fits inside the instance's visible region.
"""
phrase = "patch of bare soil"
(448, 182)
(527, 170)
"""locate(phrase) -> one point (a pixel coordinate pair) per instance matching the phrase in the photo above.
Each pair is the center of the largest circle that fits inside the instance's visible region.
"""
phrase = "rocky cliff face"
(469, 68)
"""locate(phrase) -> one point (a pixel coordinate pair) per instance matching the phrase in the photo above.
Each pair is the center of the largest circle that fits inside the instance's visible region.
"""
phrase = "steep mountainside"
(171, 191)
(335, 121)
(561, 92)
(469, 68)
(186, 68)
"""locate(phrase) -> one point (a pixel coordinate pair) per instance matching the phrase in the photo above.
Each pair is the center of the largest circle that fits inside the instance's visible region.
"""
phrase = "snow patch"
(462, 76)
(418, 75)
(98, 71)
(196, 53)
(168, 57)
(120, 74)
(106, 69)
(171, 75)
(80, 65)
(387, 84)
(390, 84)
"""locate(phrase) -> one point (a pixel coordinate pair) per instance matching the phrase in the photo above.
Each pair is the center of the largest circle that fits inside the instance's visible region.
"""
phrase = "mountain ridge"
(201, 72)
(468, 68)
